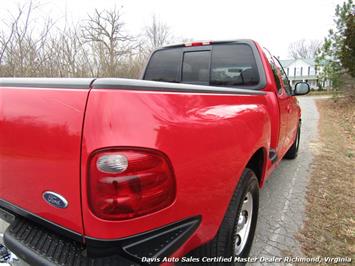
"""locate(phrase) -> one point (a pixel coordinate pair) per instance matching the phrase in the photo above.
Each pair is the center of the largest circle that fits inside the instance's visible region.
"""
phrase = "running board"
(273, 155)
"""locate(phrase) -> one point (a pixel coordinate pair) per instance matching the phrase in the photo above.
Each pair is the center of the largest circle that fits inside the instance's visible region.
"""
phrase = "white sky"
(273, 23)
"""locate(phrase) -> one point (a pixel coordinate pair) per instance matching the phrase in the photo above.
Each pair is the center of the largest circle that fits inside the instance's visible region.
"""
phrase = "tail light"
(124, 184)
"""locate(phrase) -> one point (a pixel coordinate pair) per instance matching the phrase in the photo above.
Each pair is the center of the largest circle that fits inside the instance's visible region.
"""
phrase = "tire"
(293, 151)
(225, 242)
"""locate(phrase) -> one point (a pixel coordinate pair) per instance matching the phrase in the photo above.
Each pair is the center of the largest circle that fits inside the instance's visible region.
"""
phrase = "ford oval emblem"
(55, 199)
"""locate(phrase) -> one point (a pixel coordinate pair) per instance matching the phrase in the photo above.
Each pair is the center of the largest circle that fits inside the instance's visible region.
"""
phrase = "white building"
(304, 70)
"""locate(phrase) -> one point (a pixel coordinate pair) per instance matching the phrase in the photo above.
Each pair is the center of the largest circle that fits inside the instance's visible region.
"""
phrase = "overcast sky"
(273, 23)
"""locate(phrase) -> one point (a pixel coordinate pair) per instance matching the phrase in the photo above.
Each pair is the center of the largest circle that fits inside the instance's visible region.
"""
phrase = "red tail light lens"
(124, 184)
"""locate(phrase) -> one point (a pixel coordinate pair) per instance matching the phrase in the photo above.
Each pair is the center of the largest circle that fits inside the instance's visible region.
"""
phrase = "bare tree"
(304, 49)
(95, 47)
(5, 40)
(68, 58)
(32, 45)
(25, 50)
(136, 61)
(104, 32)
(156, 35)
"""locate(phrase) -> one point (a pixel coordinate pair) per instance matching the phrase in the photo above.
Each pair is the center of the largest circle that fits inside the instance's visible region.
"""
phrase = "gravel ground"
(282, 199)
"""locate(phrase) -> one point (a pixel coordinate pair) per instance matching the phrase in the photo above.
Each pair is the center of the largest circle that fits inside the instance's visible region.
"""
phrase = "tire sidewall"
(293, 151)
(223, 243)
(248, 184)
(298, 137)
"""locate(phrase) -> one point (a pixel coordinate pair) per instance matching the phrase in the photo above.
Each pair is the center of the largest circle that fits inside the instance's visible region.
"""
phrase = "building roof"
(287, 62)
(310, 61)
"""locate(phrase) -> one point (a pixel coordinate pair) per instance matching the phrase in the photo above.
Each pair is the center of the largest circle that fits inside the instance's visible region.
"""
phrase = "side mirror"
(301, 88)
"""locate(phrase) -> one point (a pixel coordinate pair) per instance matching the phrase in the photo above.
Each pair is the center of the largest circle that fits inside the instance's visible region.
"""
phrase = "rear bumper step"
(37, 246)
(40, 246)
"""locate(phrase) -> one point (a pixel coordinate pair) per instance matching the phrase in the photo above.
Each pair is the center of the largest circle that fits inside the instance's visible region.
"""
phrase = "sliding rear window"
(224, 65)
(196, 67)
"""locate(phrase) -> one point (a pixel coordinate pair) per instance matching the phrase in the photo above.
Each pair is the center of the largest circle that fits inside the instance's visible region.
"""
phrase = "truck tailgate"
(40, 146)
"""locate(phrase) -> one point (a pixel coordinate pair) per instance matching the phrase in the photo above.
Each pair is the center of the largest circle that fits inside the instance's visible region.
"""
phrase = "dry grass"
(329, 229)
(323, 92)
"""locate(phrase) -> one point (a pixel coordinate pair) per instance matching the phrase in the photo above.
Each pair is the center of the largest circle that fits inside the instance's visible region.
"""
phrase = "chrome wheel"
(244, 222)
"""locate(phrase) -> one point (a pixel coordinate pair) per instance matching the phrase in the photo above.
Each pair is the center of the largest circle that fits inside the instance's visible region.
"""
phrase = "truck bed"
(50, 128)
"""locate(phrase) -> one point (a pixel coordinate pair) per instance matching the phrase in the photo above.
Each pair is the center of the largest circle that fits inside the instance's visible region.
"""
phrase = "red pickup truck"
(164, 169)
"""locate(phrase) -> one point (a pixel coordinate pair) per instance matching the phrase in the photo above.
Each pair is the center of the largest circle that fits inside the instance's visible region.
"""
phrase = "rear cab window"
(226, 64)
(196, 67)
(233, 65)
(164, 65)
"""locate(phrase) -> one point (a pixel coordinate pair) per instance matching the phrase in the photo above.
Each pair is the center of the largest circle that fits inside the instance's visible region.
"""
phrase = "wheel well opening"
(256, 163)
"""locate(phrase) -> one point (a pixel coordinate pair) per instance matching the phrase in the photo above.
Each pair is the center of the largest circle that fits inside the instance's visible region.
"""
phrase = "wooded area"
(337, 53)
(98, 46)
(33, 45)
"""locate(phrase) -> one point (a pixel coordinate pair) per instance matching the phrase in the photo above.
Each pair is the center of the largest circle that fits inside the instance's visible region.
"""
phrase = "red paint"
(40, 135)
(200, 133)
(208, 138)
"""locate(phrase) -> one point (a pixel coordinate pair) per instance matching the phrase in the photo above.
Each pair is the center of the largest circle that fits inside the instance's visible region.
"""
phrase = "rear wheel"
(293, 151)
(242, 228)
(236, 233)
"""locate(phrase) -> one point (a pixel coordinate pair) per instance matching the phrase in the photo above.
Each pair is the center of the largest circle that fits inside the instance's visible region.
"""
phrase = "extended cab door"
(289, 109)
(284, 103)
